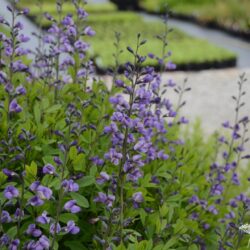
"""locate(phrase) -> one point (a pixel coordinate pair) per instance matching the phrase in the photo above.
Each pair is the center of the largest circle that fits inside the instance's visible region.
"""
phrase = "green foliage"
(187, 49)
(228, 13)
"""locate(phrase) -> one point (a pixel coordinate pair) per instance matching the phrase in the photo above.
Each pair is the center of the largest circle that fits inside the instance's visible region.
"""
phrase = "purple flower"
(55, 228)
(11, 192)
(212, 209)
(233, 203)
(170, 66)
(72, 207)
(23, 39)
(217, 189)
(138, 197)
(112, 128)
(134, 175)
(235, 179)
(119, 83)
(230, 215)
(32, 230)
(18, 66)
(44, 193)
(104, 177)
(71, 228)
(97, 161)
(70, 186)
(5, 217)
(9, 173)
(43, 243)
(20, 90)
(49, 169)
(67, 21)
(18, 213)
(14, 107)
(113, 156)
(14, 244)
(194, 200)
(82, 13)
(35, 201)
(89, 31)
(43, 219)
(33, 187)
(183, 120)
(105, 199)
(206, 226)
(81, 46)
(58, 161)
(4, 240)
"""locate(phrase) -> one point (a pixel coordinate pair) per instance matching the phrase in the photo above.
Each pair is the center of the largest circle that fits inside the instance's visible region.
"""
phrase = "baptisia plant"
(87, 168)
(37, 198)
(138, 137)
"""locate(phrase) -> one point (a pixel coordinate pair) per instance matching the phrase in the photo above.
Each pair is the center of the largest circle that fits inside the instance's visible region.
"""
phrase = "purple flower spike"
(89, 31)
(43, 219)
(55, 228)
(14, 107)
(5, 217)
(49, 169)
(71, 228)
(72, 207)
(11, 192)
(32, 230)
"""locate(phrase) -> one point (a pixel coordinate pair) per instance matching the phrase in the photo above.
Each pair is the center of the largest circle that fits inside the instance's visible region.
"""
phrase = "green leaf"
(3, 178)
(73, 153)
(31, 172)
(79, 162)
(170, 243)
(68, 216)
(54, 108)
(81, 200)
(74, 245)
(37, 112)
(86, 181)
(12, 232)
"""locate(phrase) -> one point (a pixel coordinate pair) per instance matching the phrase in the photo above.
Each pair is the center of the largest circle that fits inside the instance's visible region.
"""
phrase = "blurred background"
(210, 44)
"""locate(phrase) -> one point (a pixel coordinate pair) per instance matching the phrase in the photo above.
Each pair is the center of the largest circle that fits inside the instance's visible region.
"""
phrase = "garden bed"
(229, 16)
(192, 53)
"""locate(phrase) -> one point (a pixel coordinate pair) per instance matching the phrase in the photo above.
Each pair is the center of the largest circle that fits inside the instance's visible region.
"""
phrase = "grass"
(228, 13)
(186, 48)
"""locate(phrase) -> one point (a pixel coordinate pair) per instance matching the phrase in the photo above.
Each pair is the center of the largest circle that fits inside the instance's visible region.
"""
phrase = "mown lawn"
(106, 20)
(228, 13)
